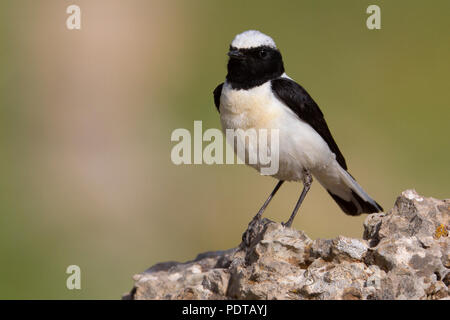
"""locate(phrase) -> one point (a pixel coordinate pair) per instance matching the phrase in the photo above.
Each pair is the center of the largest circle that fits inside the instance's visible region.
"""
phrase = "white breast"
(300, 146)
(245, 109)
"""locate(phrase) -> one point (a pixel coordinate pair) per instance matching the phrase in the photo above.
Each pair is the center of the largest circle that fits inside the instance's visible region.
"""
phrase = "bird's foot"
(286, 224)
(254, 228)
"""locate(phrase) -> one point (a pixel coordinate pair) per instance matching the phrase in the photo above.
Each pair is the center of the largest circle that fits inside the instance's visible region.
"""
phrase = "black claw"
(254, 227)
(286, 224)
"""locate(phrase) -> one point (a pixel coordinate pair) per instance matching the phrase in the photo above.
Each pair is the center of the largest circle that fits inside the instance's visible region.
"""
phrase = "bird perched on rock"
(257, 94)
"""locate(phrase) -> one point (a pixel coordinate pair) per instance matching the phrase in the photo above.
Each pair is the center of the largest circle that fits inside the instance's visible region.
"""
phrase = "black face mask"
(248, 68)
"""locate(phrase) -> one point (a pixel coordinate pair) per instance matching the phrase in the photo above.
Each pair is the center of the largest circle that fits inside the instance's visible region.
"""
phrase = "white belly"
(300, 146)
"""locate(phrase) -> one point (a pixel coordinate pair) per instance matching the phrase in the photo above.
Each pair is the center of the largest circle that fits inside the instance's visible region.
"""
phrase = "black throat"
(254, 68)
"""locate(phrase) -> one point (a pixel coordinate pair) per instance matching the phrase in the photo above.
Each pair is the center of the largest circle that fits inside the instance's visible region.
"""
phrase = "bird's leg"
(266, 203)
(254, 225)
(307, 181)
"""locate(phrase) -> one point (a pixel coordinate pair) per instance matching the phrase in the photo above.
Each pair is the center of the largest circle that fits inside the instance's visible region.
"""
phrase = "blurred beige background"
(86, 118)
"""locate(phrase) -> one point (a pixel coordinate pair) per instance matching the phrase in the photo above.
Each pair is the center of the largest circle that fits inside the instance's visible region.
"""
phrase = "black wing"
(217, 93)
(299, 101)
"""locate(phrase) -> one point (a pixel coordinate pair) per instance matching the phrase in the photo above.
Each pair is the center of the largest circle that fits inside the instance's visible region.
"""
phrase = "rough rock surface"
(404, 254)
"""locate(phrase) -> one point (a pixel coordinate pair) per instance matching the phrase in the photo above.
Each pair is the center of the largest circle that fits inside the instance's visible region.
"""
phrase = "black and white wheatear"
(257, 94)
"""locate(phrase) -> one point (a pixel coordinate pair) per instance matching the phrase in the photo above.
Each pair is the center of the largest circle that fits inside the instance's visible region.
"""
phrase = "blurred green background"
(86, 118)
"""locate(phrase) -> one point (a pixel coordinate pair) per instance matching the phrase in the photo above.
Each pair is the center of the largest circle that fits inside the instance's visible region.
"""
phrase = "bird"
(257, 93)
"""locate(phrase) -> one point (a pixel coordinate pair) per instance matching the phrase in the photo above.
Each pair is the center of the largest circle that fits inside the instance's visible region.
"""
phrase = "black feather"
(351, 209)
(217, 93)
(254, 69)
(299, 101)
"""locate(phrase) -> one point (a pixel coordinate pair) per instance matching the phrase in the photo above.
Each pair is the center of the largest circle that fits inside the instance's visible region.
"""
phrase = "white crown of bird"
(252, 39)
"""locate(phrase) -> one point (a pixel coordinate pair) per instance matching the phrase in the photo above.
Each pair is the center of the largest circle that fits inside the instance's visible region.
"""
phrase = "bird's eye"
(263, 53)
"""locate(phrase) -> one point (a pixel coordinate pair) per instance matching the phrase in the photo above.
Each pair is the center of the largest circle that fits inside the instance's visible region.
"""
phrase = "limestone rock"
(404, 254)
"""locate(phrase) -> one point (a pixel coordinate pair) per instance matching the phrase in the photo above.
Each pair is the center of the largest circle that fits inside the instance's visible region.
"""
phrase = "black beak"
(236, 54)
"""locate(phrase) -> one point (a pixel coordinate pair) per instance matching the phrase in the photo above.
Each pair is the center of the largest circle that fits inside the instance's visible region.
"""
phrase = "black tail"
(347, 193)
(356, 205)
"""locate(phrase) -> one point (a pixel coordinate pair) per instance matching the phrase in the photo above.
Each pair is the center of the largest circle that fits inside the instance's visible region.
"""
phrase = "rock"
(404, 254)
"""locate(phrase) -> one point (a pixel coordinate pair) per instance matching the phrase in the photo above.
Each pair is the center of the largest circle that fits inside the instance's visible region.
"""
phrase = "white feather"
(252, 39)
(300, 146)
